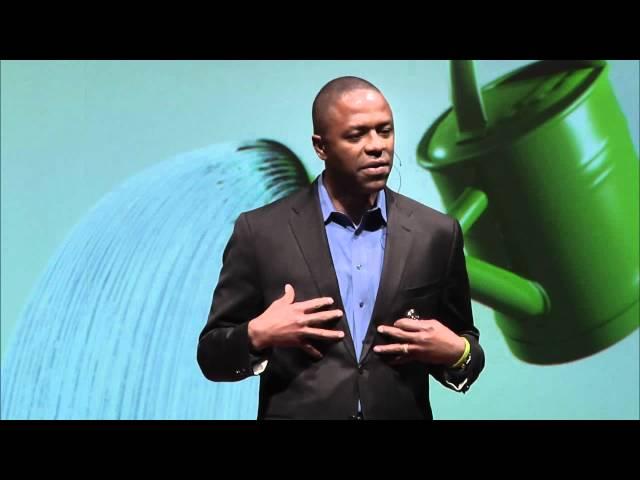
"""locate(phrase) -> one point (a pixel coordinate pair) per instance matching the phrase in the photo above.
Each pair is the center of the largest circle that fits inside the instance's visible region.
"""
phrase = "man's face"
(358, 141)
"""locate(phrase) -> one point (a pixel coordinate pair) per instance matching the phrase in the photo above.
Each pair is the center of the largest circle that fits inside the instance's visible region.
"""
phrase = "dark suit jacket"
(285, 242)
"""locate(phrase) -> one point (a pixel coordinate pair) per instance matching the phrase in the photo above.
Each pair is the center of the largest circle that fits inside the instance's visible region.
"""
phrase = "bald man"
(345, 296)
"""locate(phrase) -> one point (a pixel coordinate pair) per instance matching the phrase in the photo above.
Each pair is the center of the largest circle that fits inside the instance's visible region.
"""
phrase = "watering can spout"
(491, 285)
(467, 100)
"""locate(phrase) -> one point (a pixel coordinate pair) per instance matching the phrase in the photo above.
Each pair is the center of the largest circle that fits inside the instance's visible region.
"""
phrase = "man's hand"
(290, 324)
(427, 341)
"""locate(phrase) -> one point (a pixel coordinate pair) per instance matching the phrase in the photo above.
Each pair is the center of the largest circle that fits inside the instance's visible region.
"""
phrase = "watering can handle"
(493, 286)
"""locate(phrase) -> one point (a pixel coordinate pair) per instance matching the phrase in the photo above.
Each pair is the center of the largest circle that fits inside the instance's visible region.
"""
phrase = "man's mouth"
(376, 168)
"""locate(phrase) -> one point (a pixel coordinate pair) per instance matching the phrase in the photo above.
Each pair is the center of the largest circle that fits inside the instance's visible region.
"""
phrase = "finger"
(315, 353)
(410, 324)
(319, 317)
(323, 333)
(395, 348)
(396, 332)
(315, 303)
(289, 294)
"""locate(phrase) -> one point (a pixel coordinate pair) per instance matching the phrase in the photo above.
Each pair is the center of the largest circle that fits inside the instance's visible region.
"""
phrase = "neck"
(345, 200)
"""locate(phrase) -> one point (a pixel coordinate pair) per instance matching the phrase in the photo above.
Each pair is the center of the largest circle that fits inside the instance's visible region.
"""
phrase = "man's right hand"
(290, 324)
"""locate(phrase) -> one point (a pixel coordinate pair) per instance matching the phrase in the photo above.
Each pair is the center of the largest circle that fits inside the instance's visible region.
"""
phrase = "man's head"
(353, 134)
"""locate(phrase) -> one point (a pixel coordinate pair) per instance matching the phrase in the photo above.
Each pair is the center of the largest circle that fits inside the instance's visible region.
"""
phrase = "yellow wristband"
(465, 354)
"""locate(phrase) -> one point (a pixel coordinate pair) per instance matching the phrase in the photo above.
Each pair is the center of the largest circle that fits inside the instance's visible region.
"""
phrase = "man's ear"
(319, 146)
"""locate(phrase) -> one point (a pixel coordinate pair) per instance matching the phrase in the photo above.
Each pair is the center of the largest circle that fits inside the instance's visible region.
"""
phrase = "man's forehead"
(360, 102)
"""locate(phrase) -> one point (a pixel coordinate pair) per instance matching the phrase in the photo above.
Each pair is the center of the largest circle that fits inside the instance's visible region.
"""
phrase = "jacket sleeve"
(456, 310)
(224, 353)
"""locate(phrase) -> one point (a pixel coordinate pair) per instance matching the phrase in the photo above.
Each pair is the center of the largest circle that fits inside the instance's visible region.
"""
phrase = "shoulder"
(422, 216)
(276, 213)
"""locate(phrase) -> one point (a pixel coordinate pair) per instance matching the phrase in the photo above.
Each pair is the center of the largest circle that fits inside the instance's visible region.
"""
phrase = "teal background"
(72, 131)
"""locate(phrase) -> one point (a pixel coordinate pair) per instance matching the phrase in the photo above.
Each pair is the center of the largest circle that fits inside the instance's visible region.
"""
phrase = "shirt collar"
(327, 205)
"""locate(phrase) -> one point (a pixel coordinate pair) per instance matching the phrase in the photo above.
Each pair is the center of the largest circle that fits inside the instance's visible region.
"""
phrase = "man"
(344, 296)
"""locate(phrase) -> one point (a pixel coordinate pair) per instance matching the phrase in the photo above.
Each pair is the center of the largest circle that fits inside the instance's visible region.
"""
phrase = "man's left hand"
(427, 341)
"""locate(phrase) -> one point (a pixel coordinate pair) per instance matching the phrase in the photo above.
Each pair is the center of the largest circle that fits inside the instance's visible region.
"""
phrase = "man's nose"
(375, 144)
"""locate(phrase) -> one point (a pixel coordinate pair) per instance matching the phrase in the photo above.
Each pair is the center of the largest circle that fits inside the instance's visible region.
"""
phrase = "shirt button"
(358, 267)
(361, 304)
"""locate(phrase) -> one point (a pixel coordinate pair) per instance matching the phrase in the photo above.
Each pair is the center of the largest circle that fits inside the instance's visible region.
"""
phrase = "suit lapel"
(397, 252)
(308, 229)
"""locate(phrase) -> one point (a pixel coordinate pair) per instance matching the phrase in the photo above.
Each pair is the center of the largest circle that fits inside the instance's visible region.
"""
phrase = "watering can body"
(547, 194)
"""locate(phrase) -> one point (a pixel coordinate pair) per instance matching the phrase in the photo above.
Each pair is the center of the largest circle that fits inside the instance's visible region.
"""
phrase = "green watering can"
(540, 170)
